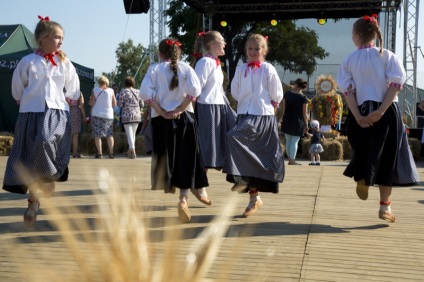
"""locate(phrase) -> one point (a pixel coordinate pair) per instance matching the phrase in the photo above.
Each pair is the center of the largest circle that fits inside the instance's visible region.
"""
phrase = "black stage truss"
(246, 10)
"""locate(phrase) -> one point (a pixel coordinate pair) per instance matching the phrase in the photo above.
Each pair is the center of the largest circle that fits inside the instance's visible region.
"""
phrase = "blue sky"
(94, 28)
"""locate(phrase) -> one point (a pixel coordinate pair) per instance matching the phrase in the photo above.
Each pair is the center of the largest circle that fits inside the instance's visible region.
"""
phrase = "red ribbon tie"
(173, 42)
(44, 19)
(254, 64)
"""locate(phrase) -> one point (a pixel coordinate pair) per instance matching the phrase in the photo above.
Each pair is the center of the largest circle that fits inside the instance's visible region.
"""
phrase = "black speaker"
(136, 6)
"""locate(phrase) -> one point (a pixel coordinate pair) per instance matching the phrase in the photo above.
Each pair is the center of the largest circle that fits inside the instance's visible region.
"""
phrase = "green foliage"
(295, 49)
(129, 58)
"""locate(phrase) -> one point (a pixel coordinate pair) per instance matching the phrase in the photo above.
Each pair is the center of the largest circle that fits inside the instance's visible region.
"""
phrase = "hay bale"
(333, 151)
(139, 145)
(6, 143)
(347, 150)
(415, 146)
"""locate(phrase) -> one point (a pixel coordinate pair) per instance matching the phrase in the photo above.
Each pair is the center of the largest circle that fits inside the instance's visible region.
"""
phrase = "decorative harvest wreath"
(327, 105)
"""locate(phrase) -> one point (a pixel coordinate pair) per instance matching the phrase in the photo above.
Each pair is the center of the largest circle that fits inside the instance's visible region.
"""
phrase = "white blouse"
(103, 105)
(370, 74)
(155, 86)
(211, 78)
(37, 82)
(256, 89)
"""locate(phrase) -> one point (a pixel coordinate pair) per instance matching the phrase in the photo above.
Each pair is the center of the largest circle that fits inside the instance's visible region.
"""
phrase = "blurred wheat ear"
(114, 244)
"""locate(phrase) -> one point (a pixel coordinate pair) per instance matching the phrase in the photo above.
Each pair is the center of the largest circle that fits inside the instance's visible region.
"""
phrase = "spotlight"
(322, 21)
(224, 23)
(274, 22)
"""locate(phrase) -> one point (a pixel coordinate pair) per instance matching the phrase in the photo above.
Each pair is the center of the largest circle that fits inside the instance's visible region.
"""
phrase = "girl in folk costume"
(371, 79)
(255, 161)
(214, 114)
(43, 83)
(169, 88)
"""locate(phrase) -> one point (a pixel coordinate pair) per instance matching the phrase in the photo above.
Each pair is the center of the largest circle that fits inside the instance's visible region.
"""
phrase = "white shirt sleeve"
(275, 86)
(148, 88)
(395, 71)
(72, 83)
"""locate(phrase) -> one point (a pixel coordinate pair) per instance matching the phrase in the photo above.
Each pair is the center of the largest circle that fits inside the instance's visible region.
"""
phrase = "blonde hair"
(170, 50)
(202, 45)
(44, 29)
(103, 80)
(368, 29)
(260, 39)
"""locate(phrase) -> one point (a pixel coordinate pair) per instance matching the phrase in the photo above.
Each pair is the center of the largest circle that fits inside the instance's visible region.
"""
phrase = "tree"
(295, 49)
(128, 61)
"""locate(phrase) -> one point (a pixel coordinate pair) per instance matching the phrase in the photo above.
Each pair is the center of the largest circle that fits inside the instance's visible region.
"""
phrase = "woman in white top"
(255, 160)
(169, 88)
(371, 79)
(42, 139)
(102, 101)
(214, 114)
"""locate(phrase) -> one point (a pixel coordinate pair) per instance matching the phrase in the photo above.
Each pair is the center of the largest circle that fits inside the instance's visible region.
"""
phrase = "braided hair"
(368, 29)
(170, 49)
(45, 28)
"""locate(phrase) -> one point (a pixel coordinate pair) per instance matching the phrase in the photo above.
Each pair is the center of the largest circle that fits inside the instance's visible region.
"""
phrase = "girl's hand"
(359, 120)
(373, 117)
(173, 114)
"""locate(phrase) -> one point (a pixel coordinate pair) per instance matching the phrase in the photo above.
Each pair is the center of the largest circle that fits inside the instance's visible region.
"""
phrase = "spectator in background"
(130, 104)
(294, 123)
(77, 113)
(102, 101)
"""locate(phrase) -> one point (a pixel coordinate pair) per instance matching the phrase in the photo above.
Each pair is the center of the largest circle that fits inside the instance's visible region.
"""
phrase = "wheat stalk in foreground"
(116, 246)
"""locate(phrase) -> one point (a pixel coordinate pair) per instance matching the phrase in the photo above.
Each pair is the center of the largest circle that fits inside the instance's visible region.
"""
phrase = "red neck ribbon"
(255, 64)
(218, 62)
(49, 57)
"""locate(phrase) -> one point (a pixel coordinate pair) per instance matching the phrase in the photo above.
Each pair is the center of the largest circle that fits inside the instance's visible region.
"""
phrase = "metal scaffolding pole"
(157, 28)
(410, 58)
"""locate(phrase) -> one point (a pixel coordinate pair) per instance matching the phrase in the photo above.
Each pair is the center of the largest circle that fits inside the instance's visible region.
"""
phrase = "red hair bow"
(201, 34)
(173, 42)
(372, 18)
(43, 19)
(266, 38)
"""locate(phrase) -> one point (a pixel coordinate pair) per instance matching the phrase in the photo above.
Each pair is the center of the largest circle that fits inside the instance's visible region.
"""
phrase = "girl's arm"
(92, 99)
(376, 115)
(350, 96)
(305, 115)
(81, 106)
(157, 108)
(283, 109)
(179, 110)
(113, 101)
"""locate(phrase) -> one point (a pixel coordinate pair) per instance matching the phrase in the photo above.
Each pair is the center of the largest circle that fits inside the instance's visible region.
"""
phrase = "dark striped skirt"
(214, 121)
(40, 151)
(380, 153)
(176, 159)
(255, 156)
